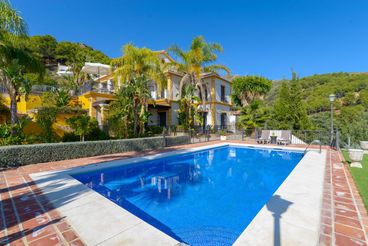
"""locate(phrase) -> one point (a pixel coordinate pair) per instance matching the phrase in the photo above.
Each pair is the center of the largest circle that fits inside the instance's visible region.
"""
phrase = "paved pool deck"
(29, 218)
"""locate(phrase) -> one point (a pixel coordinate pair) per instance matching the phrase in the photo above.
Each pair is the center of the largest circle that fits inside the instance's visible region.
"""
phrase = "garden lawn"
(360, 176)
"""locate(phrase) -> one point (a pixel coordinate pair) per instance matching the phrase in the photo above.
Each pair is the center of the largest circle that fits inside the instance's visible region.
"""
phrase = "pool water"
(201, 198)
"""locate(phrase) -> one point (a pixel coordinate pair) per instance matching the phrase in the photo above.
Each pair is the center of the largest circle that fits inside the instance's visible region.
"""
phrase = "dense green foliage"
(58, 98)
(360, 176)
(245, 89)
(254, 115)
(46, 117)
(289, 110)
(350, 89)
(82, 125)
(188, 111)
(8, 138)
(38, 153)
(350, 106)
(52, 52)
(136, 68)
(16, 60)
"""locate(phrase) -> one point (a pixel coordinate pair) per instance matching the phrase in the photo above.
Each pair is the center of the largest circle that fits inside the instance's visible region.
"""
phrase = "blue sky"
(263, 37)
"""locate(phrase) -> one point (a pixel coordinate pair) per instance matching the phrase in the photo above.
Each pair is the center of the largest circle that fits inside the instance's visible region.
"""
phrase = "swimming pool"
(200, 198)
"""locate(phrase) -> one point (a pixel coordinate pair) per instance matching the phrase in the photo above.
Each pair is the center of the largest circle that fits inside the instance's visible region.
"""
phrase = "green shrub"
(28, 154)
(154, 130)
(94, 135)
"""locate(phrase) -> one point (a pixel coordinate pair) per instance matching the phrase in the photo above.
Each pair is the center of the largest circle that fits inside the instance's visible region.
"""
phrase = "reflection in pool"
(200, 198)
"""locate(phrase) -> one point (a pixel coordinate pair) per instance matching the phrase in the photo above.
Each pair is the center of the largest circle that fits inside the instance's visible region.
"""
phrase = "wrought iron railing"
(93, 87)
(34, 89)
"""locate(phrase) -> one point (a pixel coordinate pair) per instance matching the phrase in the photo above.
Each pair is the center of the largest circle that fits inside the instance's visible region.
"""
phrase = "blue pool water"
(201, 198)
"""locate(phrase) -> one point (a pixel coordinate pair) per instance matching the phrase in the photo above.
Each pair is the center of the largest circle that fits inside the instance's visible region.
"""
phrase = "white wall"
(174, 115)
(175, 89)
(218, 83)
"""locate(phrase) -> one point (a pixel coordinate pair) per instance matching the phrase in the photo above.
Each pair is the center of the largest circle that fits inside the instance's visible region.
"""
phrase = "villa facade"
(96, 94)
(164, 106)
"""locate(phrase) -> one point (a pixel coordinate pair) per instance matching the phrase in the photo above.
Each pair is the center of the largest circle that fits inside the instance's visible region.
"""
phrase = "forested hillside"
(350, 106)
(51, 53)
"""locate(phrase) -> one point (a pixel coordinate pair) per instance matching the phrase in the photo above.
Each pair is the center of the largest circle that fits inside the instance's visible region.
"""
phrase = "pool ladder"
(314, 141)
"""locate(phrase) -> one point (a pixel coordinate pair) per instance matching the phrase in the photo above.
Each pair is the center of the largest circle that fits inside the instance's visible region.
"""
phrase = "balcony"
(92, 86)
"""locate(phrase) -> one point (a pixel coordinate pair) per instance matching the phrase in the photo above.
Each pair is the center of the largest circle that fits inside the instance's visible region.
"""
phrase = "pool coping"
(112, 225)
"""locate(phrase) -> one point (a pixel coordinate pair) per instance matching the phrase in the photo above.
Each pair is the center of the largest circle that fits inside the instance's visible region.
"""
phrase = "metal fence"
(34, 89)
(95, 87)
(230, 132)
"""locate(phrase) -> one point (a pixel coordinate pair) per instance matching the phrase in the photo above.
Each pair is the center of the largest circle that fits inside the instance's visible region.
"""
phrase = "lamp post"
(331, 97)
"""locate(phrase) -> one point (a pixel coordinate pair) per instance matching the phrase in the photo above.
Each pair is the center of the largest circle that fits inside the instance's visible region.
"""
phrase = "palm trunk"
(135, 120)
(13, 109)
(141, 123)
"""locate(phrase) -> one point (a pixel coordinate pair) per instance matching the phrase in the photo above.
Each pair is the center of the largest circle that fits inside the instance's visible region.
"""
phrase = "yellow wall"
(60, 126)
(33, 101)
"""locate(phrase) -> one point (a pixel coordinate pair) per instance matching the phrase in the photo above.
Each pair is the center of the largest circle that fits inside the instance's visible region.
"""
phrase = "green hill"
(351, 105)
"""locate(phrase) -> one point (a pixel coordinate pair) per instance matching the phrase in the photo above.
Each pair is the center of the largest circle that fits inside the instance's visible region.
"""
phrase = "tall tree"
(137, 67)
(44, 47)
(188, 106)
(15, 62)
(254, 115)
(120, 112)
(15, 59)
(248, 88)
(289, 110)
(82, 125)
(199, 59)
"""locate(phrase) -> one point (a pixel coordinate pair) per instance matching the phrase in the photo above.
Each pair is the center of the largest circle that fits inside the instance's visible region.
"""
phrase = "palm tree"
(15, 59)
(15, 62)
(253, 115)
(197, 60)
(10, 20)
(120, 112)
(139, 66)
(187, 106)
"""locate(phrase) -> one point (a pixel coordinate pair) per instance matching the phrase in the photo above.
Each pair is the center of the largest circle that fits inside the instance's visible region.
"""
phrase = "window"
(200, 94)
(223, 98)
(206, 94)
(151, 88)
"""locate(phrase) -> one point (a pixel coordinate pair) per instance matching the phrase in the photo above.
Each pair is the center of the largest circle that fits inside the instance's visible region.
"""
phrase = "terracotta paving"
(27, 218)
(344, 220)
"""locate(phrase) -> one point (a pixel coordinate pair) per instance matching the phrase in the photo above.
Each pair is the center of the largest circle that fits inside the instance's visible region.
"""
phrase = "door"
(204, 120)
(162, 118)
(223, 121)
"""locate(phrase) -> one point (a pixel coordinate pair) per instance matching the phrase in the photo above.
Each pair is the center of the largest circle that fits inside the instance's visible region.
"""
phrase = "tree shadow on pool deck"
(277, 206)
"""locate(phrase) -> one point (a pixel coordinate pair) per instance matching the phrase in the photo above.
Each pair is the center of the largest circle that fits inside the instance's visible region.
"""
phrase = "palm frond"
(10, 19)
(216, 68)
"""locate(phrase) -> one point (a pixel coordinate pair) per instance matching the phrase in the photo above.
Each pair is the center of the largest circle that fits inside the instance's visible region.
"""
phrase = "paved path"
(344, 218)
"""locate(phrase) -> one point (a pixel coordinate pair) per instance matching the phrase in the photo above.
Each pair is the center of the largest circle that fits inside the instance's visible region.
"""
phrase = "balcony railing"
(35, 89)
(93, 87)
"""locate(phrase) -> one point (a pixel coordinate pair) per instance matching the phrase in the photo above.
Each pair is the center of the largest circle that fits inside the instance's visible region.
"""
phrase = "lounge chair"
(265, 137)
(285, 138)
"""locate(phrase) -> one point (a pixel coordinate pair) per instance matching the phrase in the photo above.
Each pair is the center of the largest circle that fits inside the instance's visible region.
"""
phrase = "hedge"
(18, 155)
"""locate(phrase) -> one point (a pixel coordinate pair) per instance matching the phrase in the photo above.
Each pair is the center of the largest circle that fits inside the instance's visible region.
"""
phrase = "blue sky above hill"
(260, 37)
